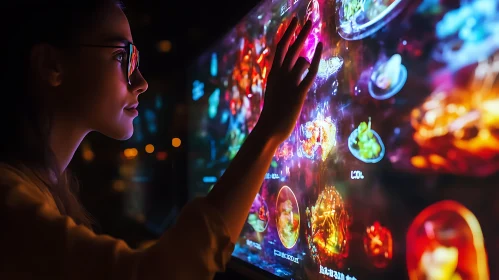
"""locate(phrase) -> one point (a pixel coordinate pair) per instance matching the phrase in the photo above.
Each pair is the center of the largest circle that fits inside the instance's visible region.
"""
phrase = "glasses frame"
(133, 56)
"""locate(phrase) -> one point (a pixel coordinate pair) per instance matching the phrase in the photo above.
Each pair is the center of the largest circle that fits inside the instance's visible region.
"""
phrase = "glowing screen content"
(392, 170)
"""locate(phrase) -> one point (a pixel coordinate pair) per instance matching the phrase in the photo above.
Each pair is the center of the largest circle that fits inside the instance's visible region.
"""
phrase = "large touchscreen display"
(392, 170)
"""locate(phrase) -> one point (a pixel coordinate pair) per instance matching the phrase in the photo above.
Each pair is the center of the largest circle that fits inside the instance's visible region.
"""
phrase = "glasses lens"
(133, 61)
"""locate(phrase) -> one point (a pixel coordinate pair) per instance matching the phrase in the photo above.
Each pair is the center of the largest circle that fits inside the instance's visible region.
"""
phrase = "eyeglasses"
(132, 59)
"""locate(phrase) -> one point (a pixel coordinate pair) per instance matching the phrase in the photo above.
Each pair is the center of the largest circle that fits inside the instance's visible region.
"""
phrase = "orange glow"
(119, 186)
(260, 58)
(86, 152)
(323, 134)
(419, 162)
(88, 155)
(445, 241)
(378, 245)
(149, 148)
(164, 46)
(437, 160)
(176, 142)
(130, 153)
(460, 124)
(328, 226)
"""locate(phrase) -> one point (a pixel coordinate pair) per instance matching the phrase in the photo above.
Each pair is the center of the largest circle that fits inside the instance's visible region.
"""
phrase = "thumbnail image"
(328, 233)
(365, 143)
(258, 216)
(328, 67)
(287, 217)
(445, 241)
(358, 19)
(388, 78)
(378, 245)
(317, 138)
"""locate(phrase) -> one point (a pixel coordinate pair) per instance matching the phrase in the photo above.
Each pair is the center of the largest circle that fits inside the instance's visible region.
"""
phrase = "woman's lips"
(132, 111)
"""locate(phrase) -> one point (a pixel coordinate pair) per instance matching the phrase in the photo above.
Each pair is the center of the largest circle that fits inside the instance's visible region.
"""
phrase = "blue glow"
(150, 115)
(151, 121)
(139, 136)
(209, 179)
(197, 90)
(214, 100)
(153, 128)
(159, 102)
(214, 65)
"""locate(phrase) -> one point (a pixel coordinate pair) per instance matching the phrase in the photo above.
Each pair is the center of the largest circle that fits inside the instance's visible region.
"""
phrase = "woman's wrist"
(265, 133)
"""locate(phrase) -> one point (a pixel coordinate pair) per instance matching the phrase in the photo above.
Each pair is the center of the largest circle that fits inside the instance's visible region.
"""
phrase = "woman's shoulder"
(18, 183)
(11, 176)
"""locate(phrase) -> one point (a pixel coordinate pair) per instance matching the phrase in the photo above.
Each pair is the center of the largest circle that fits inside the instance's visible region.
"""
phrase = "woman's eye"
(120, 56)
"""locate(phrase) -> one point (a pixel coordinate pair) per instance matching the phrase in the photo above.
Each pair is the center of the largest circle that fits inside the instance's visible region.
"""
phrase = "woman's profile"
(71, 68)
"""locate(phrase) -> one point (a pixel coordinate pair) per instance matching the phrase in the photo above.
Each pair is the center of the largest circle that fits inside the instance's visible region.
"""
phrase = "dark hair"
(26, 127)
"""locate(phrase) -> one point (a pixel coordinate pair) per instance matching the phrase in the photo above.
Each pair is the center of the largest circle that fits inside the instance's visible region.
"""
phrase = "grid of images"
(391, 170)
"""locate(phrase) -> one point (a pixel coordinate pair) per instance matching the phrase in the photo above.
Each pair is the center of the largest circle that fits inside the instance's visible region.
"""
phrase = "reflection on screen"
(391, 170)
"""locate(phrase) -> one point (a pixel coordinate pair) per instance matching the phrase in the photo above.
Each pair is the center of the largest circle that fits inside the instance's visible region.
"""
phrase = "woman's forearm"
(285, 93)
(234, 193)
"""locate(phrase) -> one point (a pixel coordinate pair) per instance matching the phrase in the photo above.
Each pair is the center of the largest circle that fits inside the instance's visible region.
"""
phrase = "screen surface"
(392, 169)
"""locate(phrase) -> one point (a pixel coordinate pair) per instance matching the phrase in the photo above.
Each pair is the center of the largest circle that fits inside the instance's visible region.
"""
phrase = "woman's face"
(94, 92)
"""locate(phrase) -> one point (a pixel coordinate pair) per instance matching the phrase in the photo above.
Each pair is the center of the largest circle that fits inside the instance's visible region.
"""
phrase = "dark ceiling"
(191, 26)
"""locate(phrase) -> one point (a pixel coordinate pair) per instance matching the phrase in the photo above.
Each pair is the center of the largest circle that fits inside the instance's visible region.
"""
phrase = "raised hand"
(286, 91)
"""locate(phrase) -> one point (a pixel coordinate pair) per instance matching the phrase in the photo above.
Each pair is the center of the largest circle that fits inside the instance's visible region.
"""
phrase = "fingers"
(300, 67)
(313, 69)
(282, 46)
(294, 52)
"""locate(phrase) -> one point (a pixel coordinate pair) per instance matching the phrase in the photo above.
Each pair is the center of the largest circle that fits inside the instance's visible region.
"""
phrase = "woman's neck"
(65, 137)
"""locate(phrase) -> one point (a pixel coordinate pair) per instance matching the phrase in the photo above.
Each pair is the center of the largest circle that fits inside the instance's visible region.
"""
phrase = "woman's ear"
(46, 64)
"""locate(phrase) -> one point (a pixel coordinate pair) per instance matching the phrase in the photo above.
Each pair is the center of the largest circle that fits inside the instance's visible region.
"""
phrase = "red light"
(161, 155)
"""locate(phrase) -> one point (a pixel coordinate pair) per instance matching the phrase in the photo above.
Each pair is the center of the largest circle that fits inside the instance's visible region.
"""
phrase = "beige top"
(37, 242)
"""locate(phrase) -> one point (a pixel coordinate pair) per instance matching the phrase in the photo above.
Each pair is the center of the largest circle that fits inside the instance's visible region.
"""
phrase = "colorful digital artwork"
(391, 171)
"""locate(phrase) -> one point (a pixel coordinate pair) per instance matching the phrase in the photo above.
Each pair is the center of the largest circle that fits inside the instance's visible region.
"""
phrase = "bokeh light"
(149, 148)
(161, 155)
(176, 142)
(164, 46)
(130, 153)
(88, 154)
(119, 186)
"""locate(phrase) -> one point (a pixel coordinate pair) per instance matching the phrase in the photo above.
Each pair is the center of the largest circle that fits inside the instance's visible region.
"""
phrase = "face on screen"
(391, 170)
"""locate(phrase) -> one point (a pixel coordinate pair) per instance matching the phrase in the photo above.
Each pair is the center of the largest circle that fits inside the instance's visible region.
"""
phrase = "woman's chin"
(125, 137)
(121, 133)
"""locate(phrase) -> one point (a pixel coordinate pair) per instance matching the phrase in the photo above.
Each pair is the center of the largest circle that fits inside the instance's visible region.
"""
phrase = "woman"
(73, 69)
